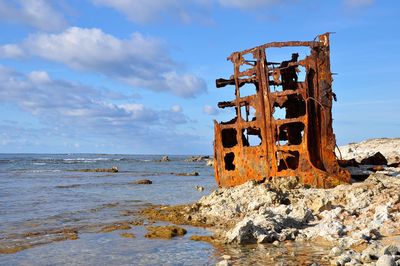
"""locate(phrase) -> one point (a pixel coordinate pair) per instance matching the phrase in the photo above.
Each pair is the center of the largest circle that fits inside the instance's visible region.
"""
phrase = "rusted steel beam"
(257, 144)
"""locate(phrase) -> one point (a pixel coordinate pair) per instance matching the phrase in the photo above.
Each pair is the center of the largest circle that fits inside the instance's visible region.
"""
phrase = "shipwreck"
(257, 144)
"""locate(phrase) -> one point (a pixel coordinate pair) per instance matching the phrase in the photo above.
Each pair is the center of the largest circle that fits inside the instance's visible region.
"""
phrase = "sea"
(43, 194)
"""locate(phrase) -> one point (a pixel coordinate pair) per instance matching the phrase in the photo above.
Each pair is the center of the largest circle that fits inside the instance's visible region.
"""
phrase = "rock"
(376, 159)
(335, 251)
(186, 174)
(320, 204)
(164, 232)
(223, 263)
(301, 214)
(210, 162)
(209, 239)
(366, 258)
(246, 232)
(381, 215)
(197, 158)
(165, 159)
(343, 260)
(143, 182)
(376, 168)
(391, 250)
(347, 163)
(199, 188)
(113, 169)
(127, 235)
(386, 260)
(116, 226)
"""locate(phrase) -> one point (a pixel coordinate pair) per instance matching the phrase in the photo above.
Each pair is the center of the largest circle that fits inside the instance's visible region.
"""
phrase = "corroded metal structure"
(259, 145)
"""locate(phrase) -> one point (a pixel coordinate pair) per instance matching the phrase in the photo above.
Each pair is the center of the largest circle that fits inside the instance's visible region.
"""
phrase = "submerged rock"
(164, 232)
(127, 235)
(113, 169)
(143, 182)
(116, 226)
(186, 174)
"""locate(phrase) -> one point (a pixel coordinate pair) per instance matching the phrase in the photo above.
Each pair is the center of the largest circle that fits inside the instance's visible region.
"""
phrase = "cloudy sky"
(137, 76)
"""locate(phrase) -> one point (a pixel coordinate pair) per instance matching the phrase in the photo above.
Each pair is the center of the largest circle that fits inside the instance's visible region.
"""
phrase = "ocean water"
(40, 194)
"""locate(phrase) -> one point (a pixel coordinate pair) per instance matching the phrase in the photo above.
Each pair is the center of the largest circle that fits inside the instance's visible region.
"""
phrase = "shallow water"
(41, 194)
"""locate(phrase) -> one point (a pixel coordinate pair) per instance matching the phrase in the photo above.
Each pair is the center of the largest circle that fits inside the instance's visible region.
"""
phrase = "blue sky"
(108, 76)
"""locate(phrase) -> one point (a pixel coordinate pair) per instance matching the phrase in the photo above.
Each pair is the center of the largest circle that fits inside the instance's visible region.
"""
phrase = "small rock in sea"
(164, 232)
(386, 260)
(143, 182)
(187, 174)
(127, 235)
(200, 188)
(114, 227)
(209, 239)
(210, 162)
(165, 159)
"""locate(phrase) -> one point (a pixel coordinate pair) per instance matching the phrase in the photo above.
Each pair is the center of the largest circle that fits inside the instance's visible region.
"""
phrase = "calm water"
(45, 193)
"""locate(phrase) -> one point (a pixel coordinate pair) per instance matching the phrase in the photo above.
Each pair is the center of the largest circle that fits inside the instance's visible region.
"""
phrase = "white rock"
(385, 260)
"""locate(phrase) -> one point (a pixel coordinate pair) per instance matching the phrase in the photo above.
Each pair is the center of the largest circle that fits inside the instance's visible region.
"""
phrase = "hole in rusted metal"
(248, 89)
(290, 134)
(279, 113)
(248, 112)
(229, 159)
(251, 137)
(287, 160)
(229, 137)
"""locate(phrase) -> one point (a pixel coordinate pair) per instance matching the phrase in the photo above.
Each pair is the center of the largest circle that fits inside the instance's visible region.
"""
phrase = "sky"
(138, 76)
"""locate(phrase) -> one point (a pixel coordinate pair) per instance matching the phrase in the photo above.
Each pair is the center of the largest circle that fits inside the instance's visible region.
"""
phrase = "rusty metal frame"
(306, 130)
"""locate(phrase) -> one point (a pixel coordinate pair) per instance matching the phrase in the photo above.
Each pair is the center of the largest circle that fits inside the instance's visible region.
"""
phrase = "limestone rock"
(386, 260)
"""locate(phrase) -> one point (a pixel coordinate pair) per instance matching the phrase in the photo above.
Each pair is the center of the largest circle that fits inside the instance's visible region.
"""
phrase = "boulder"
(386, 260)
(376, 159)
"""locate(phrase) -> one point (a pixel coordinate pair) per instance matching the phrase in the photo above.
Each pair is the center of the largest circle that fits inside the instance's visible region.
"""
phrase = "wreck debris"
(300, 144)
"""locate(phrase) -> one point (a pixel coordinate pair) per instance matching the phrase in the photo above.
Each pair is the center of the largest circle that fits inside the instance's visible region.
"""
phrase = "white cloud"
(139, 61)
(210, 110)
(11, 51)
(39, 77)
(74, 113)
(176, 108)
(60, 102)
(39, 14)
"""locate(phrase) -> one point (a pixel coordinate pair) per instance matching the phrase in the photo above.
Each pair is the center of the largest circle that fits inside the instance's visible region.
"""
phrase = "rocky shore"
(361, 220)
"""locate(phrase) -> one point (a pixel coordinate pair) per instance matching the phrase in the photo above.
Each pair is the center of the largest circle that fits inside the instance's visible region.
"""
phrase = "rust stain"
(256, 144)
